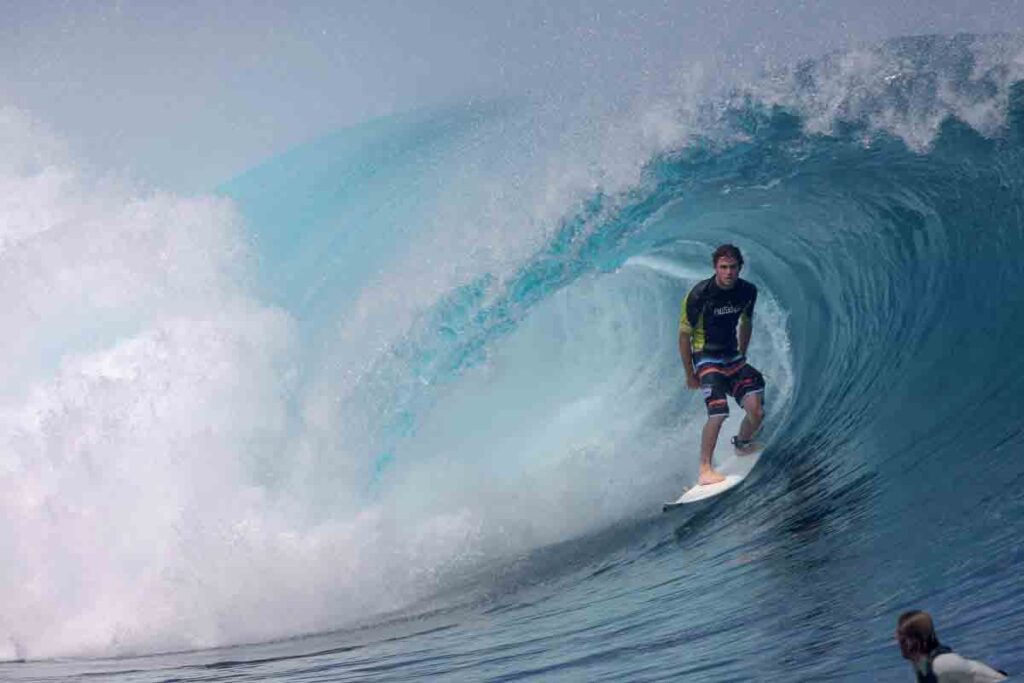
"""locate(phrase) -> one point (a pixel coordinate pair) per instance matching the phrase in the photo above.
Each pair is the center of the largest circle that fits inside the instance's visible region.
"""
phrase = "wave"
(446, 339)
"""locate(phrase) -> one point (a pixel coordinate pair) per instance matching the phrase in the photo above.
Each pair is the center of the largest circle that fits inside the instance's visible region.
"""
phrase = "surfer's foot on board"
(745, 447)
(709, 476)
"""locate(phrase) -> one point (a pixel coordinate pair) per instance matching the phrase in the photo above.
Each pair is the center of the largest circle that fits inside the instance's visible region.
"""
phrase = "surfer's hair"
(727, 251)
(916, 632)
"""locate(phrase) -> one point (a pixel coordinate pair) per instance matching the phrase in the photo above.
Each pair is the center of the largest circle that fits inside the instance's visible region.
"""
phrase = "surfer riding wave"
(714, 333)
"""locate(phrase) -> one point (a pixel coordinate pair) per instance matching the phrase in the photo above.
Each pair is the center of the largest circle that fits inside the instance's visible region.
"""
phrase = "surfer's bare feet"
(709, 476)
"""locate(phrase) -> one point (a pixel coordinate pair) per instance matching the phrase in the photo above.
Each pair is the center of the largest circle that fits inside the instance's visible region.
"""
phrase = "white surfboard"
(735, 468)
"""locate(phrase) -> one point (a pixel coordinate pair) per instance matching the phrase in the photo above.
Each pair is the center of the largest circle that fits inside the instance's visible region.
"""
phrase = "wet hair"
(916, 630)
(727, 251)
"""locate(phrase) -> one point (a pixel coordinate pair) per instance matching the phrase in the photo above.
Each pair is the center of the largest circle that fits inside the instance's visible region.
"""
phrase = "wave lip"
(906, 87)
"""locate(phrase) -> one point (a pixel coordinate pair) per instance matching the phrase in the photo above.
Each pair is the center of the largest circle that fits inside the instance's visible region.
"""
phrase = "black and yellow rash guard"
(710, 315)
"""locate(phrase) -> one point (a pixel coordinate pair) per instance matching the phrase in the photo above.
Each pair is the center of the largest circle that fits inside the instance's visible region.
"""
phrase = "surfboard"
(735, 468)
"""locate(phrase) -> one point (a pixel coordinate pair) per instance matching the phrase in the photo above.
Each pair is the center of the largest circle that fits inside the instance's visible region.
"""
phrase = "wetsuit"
(945, 666)
(710, 315)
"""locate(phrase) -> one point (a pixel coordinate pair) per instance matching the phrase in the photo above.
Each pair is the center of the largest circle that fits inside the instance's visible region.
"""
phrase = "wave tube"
(417, 349)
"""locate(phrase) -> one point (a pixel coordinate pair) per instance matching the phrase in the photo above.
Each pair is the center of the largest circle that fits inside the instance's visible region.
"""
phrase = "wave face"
(434, 358)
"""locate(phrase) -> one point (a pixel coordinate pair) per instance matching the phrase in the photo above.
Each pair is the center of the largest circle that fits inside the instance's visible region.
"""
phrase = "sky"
(183, 96)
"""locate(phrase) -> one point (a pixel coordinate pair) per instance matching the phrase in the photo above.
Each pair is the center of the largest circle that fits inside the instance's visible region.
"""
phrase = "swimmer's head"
(915, 633)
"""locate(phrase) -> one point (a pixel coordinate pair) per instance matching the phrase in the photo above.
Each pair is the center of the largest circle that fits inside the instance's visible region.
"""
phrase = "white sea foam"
(905, 87)
(157, 493)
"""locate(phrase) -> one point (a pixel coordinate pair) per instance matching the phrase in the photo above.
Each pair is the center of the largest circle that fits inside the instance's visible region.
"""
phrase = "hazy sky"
(185, 94)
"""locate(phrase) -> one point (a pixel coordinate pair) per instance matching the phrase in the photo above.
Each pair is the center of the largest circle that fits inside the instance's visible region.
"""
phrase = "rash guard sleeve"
(953, 667)
(689, 315)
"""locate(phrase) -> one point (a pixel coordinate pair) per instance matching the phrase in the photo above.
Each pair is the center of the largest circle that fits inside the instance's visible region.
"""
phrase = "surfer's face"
(727, 271)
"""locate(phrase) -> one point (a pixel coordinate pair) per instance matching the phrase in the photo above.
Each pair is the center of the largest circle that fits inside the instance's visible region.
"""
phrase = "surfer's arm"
(745, 330)
(689, 316)
(687, 355)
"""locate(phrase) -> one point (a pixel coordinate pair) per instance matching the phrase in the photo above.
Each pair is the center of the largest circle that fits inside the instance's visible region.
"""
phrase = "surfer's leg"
(708, 439)
(754, 417)
(748, 389)
(714, 386)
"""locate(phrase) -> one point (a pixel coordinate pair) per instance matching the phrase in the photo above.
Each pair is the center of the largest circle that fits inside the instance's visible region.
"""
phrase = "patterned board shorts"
(722, 377)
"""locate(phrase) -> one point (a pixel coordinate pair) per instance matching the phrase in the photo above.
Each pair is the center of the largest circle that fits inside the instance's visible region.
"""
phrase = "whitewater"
(404, 402)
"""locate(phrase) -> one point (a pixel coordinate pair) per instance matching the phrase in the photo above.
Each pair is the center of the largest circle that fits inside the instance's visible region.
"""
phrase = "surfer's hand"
(692, 382)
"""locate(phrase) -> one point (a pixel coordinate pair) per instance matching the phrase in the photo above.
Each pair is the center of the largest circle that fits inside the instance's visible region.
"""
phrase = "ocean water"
(404, 403)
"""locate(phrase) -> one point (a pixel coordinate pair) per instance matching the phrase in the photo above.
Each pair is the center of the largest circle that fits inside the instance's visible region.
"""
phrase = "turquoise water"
(477, 408)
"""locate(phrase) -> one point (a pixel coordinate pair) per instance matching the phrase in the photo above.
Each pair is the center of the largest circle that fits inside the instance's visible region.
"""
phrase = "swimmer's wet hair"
(916, 629)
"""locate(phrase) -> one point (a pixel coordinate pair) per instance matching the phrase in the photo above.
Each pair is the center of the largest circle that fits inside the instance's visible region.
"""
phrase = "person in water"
(714, 332)
(934, 662)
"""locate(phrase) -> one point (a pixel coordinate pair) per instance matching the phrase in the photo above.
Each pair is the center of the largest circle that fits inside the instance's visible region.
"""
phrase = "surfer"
(714, 332)
(933, 662)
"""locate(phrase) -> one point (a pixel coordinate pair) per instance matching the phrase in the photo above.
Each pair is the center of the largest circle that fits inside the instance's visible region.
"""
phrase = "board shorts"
(724, 377)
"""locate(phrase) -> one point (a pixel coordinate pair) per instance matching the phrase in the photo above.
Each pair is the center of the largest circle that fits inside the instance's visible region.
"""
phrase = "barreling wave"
(452, 336)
